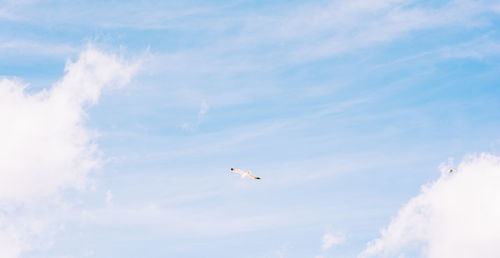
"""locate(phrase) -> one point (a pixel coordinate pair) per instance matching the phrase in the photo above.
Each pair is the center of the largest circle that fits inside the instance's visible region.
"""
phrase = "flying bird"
(244, 174)
(451, 170)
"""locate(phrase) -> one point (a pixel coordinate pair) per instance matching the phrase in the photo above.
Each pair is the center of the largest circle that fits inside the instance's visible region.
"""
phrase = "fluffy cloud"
(46, 148)
(455, 216)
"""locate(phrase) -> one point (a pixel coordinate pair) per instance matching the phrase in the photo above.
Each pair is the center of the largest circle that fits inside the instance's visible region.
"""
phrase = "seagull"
(244, 174)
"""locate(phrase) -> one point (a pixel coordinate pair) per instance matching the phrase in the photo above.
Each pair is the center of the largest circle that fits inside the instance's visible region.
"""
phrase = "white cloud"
(330, 239)
(109, 196)
(13, 47)
(496, 8)
(293, 34)
(455, 216)
(343, 26)
(278, 253)
(482, 47)
(46, 148)
(203, 109)
(201, 114)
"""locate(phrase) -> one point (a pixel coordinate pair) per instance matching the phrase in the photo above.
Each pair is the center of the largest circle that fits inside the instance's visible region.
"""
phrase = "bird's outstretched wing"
(252, 176)
(238, 171)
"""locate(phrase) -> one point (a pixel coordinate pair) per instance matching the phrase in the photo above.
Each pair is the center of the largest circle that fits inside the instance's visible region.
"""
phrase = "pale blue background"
(342, 129)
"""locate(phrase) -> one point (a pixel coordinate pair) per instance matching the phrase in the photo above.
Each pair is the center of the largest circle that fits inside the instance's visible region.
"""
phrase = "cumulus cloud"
(46, 148)
(455, 216)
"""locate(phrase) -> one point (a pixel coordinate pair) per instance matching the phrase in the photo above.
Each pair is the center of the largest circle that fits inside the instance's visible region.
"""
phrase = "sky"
(120, 121)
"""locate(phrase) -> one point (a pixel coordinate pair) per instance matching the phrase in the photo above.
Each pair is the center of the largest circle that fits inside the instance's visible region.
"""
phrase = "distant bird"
(451, 170)
(244, 174)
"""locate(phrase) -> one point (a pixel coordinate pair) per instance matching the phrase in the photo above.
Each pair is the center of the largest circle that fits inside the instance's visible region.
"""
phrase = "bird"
(451, 170)
(244, 174)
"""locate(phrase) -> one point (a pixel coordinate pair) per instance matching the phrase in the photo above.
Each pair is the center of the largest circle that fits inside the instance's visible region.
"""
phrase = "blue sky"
(344, 108)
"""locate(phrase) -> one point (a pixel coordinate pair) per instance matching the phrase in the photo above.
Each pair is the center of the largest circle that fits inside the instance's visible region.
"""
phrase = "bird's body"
(244, 174)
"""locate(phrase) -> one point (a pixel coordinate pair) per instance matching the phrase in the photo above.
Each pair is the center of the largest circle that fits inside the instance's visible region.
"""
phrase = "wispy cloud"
(109, 196)
(480, 48)
(25, 47)
(213, 222)
(201, 114)
(269, 36)
(331, 239)
(273, 39)
(279, 253)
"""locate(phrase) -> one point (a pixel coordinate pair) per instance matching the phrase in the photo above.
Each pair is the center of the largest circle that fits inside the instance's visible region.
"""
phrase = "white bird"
(244, 174)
